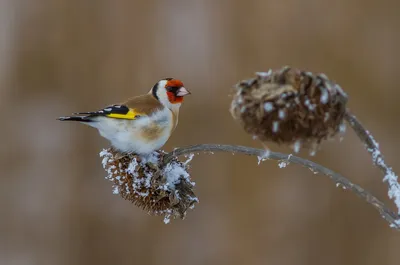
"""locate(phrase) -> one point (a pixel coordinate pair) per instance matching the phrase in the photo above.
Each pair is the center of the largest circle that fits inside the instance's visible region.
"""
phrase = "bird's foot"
(119, 156)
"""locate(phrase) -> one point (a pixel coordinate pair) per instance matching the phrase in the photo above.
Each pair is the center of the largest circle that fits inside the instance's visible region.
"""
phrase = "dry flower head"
(145, 181)
(290, 106)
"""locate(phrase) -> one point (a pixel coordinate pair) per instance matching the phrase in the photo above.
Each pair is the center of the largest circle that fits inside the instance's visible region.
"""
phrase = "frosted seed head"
(148, 183)
(287, 105)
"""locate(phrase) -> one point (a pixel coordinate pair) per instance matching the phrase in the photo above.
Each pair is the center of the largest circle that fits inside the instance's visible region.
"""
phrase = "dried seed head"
(289, 106)
(144, 180)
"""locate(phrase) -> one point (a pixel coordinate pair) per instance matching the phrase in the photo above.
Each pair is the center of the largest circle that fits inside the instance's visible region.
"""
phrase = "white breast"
(141, 136)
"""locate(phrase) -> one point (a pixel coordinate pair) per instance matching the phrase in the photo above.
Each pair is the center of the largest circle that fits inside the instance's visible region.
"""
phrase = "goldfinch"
(141, 124)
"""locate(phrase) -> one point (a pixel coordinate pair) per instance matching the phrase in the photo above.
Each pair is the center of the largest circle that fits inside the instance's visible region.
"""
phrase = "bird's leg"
(156, 169)
(118, 155)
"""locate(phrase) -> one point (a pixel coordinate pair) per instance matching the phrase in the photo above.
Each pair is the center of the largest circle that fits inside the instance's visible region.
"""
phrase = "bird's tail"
(76, 118)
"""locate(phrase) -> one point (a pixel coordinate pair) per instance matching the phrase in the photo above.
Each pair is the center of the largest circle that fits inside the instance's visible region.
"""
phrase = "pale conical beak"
(182, 92)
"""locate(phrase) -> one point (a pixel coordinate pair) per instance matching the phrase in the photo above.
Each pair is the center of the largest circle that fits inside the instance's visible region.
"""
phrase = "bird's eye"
(172, 89)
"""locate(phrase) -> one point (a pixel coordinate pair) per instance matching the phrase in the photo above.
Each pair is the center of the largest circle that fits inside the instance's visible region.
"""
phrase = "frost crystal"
(285, 163)
(263, 157)
(174, 172)
(324, 96)
(338, 185)
(115, 190)
(132, 167)
(190, 158)
(167, 218)
(275, 126)
(282, 164)
(282, 114)
(268, 107)
(264, 74)
(310, 106)
(296, 146)
(397, 222)
(342, 128)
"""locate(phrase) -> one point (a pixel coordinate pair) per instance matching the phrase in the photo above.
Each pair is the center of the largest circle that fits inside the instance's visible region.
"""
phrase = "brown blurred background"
(62, 56)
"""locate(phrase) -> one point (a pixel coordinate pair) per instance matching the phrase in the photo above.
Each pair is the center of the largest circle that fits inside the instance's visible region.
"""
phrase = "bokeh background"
(62, 56)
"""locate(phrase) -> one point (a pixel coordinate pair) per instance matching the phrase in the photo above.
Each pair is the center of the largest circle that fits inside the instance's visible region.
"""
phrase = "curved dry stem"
(385, 212)
(377, 158)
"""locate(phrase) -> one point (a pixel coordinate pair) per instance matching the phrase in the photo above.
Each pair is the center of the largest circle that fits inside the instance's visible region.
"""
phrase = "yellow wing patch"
(130, 115)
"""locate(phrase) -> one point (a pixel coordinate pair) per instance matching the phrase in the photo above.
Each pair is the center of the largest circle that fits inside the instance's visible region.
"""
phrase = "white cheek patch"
(162, 93)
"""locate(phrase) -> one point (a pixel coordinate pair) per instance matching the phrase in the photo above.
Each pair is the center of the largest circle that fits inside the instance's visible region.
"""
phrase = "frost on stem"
(289, 106)
(284, 163)
(264, 157)
(390, 177)
(145, 181)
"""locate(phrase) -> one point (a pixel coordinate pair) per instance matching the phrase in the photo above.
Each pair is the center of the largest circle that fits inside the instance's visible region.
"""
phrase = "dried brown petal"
(289, 106)
(144, 180)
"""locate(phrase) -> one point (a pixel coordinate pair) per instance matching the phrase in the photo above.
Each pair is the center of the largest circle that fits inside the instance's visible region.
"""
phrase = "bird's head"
(169, 91)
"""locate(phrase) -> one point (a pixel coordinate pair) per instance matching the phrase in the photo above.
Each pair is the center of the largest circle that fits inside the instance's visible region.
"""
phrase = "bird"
(142, 124)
